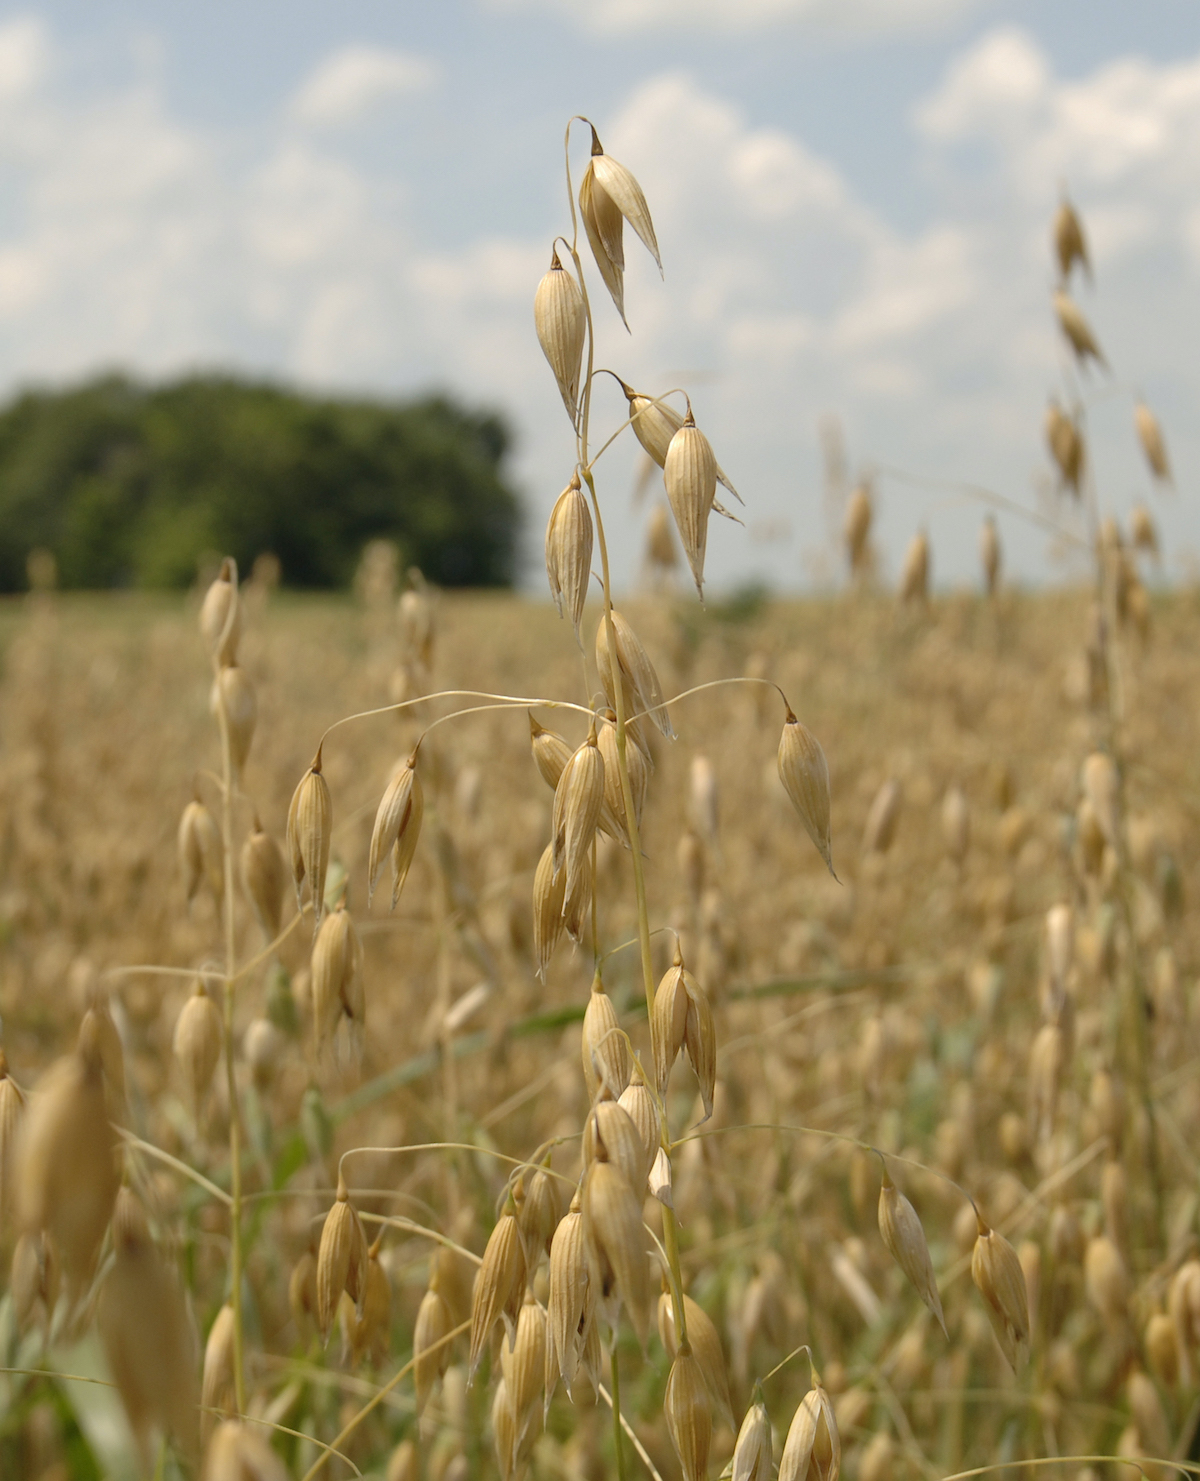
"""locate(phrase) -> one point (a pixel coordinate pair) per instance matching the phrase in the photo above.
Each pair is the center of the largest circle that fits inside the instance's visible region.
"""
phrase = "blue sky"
(852, 199)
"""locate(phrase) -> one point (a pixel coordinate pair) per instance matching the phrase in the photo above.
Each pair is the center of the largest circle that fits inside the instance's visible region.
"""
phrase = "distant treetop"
(134, 485)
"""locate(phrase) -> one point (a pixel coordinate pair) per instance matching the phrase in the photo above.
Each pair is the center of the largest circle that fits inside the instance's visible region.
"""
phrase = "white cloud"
(24, 57)
(356, 80)
(848, 17)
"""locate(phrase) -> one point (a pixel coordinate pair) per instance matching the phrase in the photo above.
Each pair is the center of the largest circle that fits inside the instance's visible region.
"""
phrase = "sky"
(852, 198)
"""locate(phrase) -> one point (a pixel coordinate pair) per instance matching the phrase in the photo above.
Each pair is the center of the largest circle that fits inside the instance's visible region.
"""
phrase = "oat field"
(992, 1008)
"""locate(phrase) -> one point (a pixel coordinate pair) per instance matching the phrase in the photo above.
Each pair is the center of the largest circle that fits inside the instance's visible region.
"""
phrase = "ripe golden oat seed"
(690, 476)
(1069, 243)
(221, 615)
(309, 830)
(336, 972)
(914, 575)
(1076, 329)
(397, 828)
(804, 773)
(688, 1416)
(197, 1043)
(201, 857)
(706, 1349)
(605, 1051)
(1153, 444)
(641, 689)
(499, 1286)
(234, 703)
(616, 1243)
(752, 1452)
(430, 1361)
(578, 800)
(998, 1277)
(264, 878)
(610, 1135)
(813, 1449)
(561, 325)
(903, 1234)
(341, 1259)
(239, 1452)
(217, 1384)
(569, 552)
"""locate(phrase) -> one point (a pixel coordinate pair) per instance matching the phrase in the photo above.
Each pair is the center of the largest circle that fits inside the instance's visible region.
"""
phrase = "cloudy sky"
(852, 198)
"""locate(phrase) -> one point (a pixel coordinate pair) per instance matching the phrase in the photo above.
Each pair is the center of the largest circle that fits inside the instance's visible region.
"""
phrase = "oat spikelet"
(813, 1450)
(569, 552)
(752, 1458)
(570, 1300)
(616, 1244)
(147, 1337)
(221, 615)
(66, 1162)
(341, 1259)
(690, 475)
(613, 820)
(610, 1135)
(432, 1324)
(200, 852)
(397, 828)
(689, 1419)
(499, 1286)
(524, 1366)
(914, 577)
(309, 828)
(609, 196)
(902, 1233)
(856, 528)
(1066, 446)
(233, 696)
(640, 687)
(1076, 329)
(605, 1050)
(549, 898)
(538, 1215)
(655, 425)
(264, 878)
(336, 975)
(561, 324)
(238, 1452)
(217, 1389)
(706, 1349)
(1069, 244)
(683, 1020)
(997, 1274)
(550, 752)
(197, 1043)
(638, 1104)
(804, 773)
(1153, 445)
(989, 555)
(578, 799)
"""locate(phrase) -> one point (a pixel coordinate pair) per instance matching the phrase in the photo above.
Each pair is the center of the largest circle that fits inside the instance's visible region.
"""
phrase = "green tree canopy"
(131, 485)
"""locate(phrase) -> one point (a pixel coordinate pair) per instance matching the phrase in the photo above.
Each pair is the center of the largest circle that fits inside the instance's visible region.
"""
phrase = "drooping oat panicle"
(499, 1286)
(752, 1458)
(238, 1452)
(341, 1259)
(549, 897)
(706, 1349)
(640, 687)
(578, 799)
(610, 1135)
(336, 976)
(683, 1019)
(430, 1361)
(1069, 244)
(690, 475)
(813, 1449)
(569, 552)
(561, 323)
(66, 1163)
(550, 752)
(570, 1299)
(989, 555)
(901, 1230)
(264, 877)
(200, 851)
(655, 423)
(914, 576)
(1151, 438)
(605, 1048)
(608, 197)
(221, 615)
(616, 1244)
(197, 1043)
(233, 698)
(217, 1389)
(689, 1419)
(804, 773)
(1066, 445)
(1076, 329)
(147, 1336)
(397, 828)
(309, 829)
(12, 1108)
(998, 1276)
